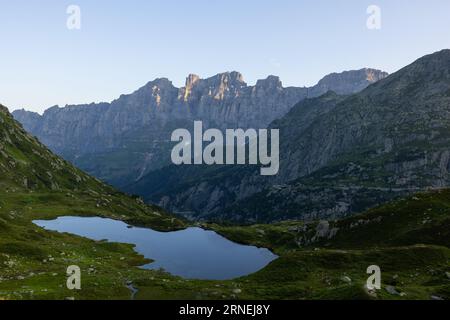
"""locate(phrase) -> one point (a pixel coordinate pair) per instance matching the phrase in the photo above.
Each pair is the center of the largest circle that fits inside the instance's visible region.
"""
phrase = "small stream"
(133, 290)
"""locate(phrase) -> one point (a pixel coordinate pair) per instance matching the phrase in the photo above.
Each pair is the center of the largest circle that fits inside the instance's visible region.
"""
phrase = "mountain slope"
(339, 155)
(316, 261)
(408, 239)
(390, 140)
(419, 219)
(27, 165)
(28, 170)
(122, 141)
(199, 190)
(36, 184)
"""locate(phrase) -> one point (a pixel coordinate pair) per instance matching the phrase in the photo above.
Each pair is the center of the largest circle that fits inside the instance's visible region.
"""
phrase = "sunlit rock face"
(121, 141)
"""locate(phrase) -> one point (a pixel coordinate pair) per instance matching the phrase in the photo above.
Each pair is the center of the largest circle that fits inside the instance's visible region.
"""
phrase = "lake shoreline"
(193, 253)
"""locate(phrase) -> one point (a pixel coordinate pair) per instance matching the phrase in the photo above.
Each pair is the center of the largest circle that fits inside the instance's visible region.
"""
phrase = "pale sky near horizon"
(124, 44)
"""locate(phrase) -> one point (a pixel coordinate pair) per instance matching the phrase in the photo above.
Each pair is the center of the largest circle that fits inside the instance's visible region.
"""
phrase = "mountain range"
(354, 141)
(340, 154)
(326, 259)
(122, 141)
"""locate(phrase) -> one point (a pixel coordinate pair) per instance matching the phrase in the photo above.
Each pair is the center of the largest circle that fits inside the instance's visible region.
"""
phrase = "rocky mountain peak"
(191, 80)
(373, 75)
(160, 83)
(141, 123)
(153, 91)
(271, 82)
(350, 81)
(217, 86)
(52, 110)
(366, 74)
(227, 79)
(232, 77)
(227, 84)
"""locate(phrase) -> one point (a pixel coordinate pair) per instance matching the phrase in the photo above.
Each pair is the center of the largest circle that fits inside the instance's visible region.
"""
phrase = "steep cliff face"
(121, 141)
(339, 154)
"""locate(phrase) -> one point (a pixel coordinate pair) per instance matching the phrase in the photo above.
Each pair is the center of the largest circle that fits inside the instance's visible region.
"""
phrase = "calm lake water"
(193, 253)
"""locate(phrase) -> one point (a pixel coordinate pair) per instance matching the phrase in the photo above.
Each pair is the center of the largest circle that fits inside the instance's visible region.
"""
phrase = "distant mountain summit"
(121, 141)
(338, 155)
(348, 81)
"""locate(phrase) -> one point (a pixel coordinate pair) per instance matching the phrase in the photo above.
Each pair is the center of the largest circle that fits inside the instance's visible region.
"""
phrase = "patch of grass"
(408, 239)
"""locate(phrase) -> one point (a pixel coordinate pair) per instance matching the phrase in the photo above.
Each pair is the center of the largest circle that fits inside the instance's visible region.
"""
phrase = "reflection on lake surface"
(193, 253)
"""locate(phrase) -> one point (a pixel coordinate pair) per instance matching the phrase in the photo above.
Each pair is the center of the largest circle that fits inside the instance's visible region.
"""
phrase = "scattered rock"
(346, 279)
(392, 290)
(322, 229)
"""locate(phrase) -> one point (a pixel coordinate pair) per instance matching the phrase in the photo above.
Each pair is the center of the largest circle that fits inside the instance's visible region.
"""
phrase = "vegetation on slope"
(408, 239)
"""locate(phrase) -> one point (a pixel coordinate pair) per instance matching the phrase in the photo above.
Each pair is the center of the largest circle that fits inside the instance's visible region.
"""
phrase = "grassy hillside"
(420, 219)
(414, 260)
(33, 179)
(408, 239)
(35, 184)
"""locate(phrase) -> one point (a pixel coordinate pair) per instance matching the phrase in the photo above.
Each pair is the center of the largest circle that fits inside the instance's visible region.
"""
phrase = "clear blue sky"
(124, 44)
